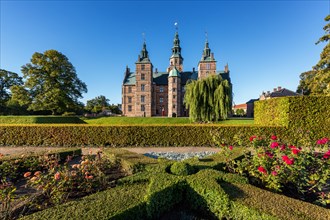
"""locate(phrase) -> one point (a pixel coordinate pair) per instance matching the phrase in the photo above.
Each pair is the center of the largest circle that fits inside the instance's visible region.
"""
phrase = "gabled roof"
(283, 92)
(130, 79)
(252, 101)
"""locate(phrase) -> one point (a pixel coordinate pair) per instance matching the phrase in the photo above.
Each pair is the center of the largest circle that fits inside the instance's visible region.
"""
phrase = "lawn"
(156, 121)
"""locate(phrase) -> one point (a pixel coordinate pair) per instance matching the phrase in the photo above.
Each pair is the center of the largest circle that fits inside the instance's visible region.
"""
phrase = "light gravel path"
(140, 150)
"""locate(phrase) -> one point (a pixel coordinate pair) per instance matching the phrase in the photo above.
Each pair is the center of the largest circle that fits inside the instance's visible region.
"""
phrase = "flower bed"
(153, 191)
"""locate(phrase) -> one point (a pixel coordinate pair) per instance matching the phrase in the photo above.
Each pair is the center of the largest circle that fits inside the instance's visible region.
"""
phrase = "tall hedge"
(301, 115)
(125, 136)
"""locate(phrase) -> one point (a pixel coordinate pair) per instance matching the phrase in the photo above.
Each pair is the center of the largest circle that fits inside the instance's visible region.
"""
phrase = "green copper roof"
(174, 73)
(161, 78)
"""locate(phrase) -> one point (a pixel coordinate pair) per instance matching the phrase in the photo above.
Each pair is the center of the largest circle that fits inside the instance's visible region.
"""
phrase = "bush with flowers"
(62, 182)
(303, 172)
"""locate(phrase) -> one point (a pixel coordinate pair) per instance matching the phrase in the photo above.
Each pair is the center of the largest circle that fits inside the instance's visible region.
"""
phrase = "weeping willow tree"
(208, 99)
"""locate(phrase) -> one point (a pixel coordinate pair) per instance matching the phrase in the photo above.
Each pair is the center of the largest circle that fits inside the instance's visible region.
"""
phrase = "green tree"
(208, 99)
(115, 109)
(97, 104)
(51, 84)
(317, 81)
(7, 80)
(240, 112)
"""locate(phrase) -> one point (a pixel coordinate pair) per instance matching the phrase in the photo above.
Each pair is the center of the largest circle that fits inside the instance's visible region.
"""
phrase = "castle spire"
(144, 56)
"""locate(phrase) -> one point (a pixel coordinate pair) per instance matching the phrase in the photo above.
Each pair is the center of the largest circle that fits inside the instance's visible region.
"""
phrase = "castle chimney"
(212, 56)
(193, 69)
(156, 70)
(274, 90)
(279, 88)
(226, 68)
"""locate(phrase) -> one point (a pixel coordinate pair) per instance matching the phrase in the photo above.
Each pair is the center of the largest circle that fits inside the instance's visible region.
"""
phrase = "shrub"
(279, 166)
(68, 119)
(182, 169)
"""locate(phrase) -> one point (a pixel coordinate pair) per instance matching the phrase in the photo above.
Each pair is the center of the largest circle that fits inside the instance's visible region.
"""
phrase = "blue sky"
(266, 43)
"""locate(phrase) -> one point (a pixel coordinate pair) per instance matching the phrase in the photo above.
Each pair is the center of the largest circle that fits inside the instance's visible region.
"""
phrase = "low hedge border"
(126, 136)
(41, 120)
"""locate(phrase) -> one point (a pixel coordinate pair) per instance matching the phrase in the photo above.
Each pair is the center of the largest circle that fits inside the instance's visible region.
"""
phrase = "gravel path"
(140, 150)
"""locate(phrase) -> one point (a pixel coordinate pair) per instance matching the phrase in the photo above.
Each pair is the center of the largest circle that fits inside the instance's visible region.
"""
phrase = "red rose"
(273, 137)
(252, 138)
(282, 147)
(270, 155)
(326, 155)
(231, 147)
(295, 151)
(262, 170)
(274, 173)
(274, 145)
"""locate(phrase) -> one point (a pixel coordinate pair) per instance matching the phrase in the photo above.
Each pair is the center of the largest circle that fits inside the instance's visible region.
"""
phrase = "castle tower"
(176, 59)
(207, 65)
(174, 93)
(143, 84)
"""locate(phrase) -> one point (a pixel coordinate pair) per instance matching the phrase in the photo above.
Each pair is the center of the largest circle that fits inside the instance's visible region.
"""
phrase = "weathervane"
(176, 26)
(144, 37)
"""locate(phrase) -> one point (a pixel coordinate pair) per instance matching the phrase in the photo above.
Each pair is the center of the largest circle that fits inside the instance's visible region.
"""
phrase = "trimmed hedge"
(41, 120)
(122, 136)
(301, 115)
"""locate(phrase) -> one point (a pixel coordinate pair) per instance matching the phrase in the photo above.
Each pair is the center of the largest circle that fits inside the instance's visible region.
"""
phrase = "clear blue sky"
(266, 43)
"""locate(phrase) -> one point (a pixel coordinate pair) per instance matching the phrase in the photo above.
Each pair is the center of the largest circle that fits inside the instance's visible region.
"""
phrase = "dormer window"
(142, 67)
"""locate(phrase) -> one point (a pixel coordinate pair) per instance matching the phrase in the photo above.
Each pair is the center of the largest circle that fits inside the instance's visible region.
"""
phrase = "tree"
(7, 80)
(51, 84)
(317, 81)
(208, 99)
(115, 109)
(240, 112)
(97, 104)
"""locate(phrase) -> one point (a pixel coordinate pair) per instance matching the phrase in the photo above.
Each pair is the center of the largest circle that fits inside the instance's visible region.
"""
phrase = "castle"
(147, 93)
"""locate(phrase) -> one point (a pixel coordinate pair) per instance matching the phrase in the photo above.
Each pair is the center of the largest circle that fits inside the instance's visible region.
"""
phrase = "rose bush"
(58, 183)
(282, 167)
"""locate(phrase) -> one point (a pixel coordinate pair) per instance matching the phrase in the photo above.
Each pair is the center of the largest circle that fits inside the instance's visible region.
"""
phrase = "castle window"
(129, 89)
(161, 89)
(174, 80)
(208, 66)
(129, 108)
(142, 67)
(142, 98)
(143, 76)
(142, 87)
(143, 108)
(129, 99)
(174, 96)
(161, 99)
(173, 106)
(174, 89)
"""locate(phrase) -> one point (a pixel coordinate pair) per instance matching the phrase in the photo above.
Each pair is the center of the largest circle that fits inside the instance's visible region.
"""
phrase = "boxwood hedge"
(303, 115)
(119, 136)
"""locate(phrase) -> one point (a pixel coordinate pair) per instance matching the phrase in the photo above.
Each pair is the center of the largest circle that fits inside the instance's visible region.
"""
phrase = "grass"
(111, 120)
(157, 121)
(40, 120)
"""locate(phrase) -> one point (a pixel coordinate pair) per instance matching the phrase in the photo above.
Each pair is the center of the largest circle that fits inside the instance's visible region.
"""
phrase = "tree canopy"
(317, 81)
(7, 80)
(97, 104)
(51, 84)
(208, 99)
